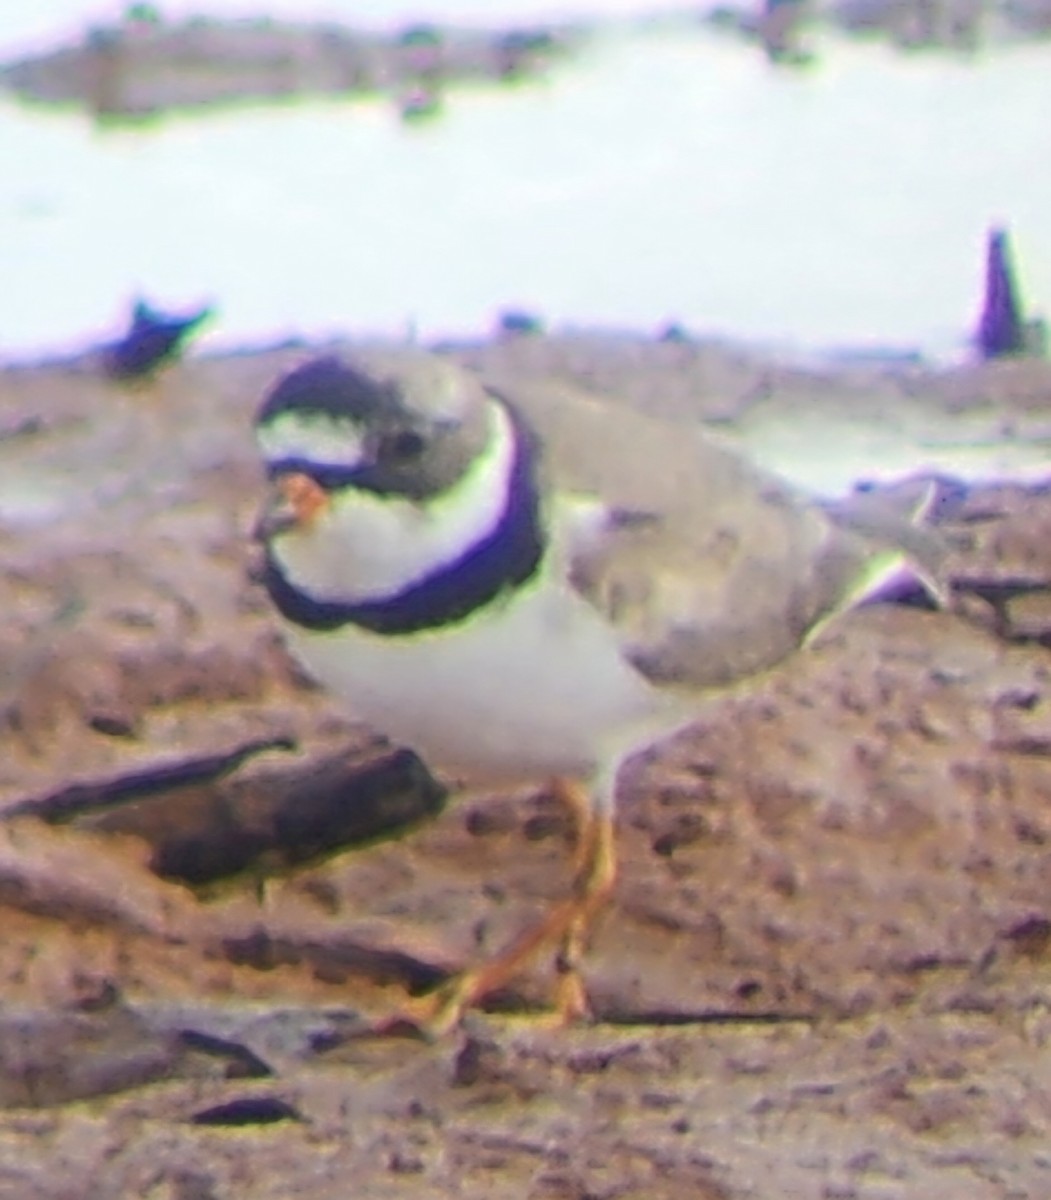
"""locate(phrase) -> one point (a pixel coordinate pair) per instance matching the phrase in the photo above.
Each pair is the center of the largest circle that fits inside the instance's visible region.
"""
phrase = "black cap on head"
(328, 386)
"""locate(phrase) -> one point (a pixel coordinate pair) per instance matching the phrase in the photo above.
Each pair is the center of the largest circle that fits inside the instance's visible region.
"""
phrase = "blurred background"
(811, 178)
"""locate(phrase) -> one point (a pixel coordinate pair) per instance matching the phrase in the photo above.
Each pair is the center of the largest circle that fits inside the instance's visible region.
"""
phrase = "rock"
(1001, 326)
(53, 1058)
(153, 338)
(250, 1110)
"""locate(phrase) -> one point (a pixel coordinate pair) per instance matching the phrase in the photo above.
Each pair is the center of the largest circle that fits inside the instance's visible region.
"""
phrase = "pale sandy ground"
(826, 969)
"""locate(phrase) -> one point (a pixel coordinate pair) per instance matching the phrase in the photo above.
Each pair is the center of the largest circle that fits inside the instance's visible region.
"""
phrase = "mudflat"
(826, 967)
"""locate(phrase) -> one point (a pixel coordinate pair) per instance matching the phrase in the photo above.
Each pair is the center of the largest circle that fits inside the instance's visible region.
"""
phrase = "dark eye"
(402, 446)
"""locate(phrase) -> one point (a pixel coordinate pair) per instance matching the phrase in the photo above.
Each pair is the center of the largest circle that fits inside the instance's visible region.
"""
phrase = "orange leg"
(566, 924)
(592, 887)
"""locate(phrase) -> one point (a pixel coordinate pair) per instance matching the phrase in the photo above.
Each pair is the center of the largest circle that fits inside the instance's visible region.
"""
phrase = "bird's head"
(331, 430)
(382, 471)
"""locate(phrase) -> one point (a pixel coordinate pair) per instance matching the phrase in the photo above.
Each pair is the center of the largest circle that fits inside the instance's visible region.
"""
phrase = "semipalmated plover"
(534, 587)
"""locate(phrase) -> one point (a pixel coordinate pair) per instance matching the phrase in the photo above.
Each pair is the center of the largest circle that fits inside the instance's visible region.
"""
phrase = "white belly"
(534, 688)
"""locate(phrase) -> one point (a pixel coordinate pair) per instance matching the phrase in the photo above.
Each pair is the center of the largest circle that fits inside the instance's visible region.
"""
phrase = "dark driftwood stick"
(83, 799)
(289, 817)
(205, 827)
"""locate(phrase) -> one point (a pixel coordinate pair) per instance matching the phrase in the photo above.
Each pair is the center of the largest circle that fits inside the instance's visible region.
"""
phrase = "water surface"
(661, 177)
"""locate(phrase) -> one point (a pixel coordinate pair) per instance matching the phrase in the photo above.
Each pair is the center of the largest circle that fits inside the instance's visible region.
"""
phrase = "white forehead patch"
(314, 437)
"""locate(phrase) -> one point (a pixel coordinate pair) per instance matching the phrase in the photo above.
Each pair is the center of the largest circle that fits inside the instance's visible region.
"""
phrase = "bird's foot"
(565, 926)
(572, 1006)
(429, 1018)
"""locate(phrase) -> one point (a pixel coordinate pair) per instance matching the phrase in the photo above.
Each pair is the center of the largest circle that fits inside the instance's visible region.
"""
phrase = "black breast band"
(504, 559)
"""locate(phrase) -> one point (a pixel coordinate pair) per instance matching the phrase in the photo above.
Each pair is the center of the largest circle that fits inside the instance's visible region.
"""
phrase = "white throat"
(369, 547)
